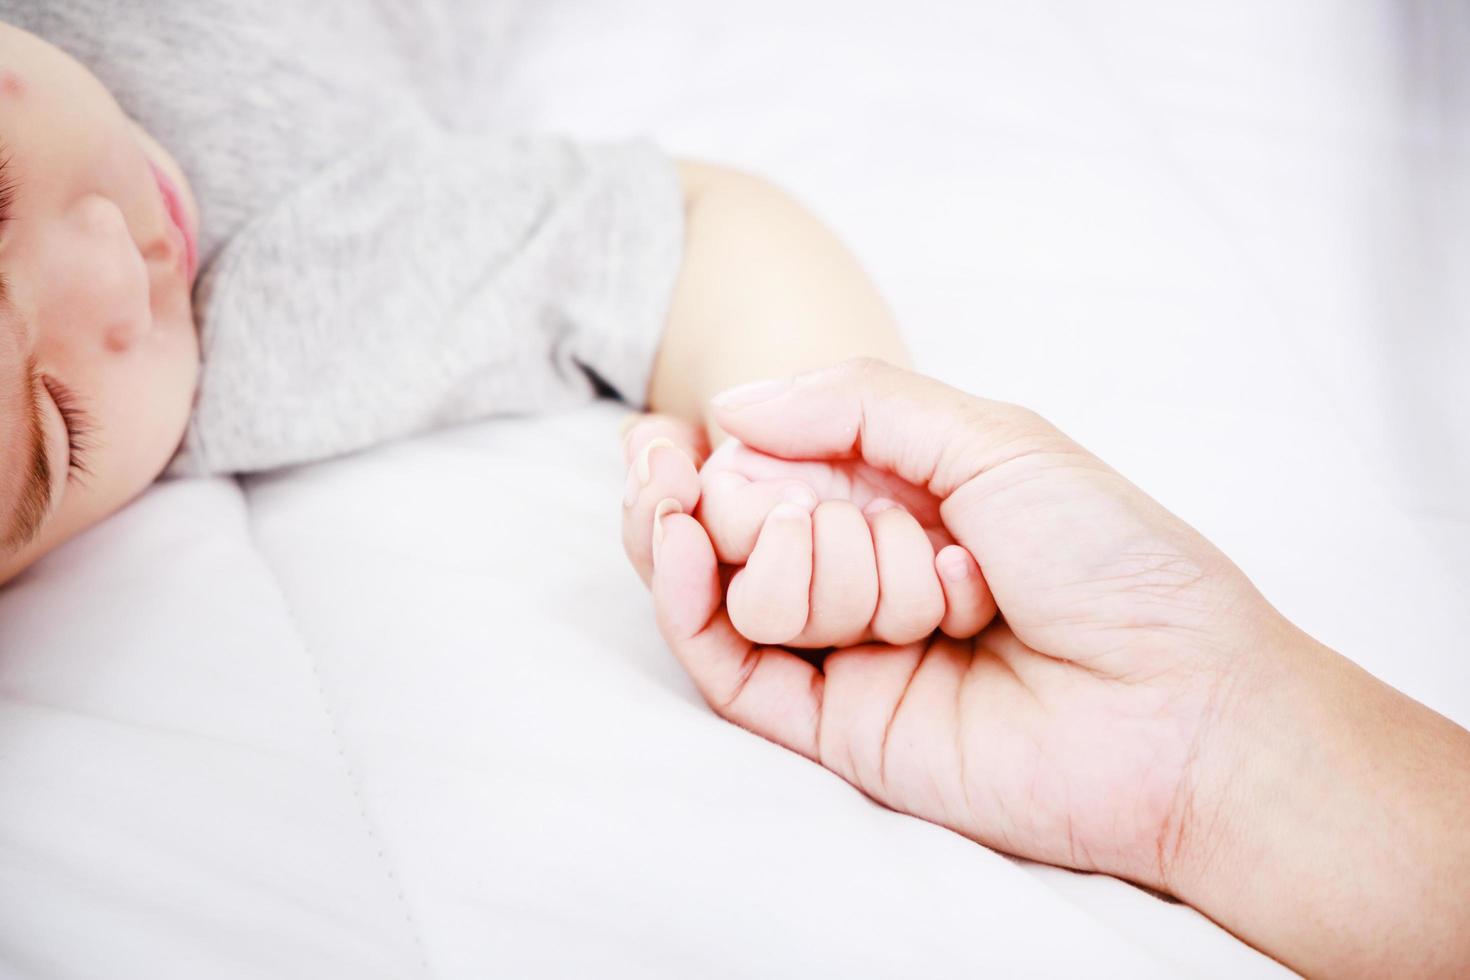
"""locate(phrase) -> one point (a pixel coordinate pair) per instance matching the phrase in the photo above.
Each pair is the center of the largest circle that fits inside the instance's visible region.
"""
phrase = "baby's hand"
(813, 554)
(834, 553)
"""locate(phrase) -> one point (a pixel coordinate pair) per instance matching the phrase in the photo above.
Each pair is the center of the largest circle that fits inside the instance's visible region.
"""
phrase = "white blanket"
(405, 714)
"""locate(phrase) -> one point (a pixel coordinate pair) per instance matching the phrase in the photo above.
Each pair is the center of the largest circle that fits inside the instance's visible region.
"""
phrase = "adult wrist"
(1322, 823)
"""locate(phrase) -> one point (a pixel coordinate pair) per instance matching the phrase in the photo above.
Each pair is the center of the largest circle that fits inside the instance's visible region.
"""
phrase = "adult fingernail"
(665, 507)
(644, 474)
(750, 394)
(640, 472)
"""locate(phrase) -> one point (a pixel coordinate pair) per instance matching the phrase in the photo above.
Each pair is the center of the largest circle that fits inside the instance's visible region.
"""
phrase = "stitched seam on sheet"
(352, 779)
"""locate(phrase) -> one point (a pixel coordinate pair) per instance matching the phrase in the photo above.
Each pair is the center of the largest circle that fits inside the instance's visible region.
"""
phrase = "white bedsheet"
(405, 714)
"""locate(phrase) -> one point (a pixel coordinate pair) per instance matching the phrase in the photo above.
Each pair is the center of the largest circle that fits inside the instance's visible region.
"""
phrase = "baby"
(365, 260)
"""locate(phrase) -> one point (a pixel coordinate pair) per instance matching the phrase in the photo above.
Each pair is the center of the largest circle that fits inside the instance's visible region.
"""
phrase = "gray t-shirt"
(376, 259)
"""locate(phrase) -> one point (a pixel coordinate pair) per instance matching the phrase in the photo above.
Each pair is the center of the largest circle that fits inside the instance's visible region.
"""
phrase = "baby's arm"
(764, 291)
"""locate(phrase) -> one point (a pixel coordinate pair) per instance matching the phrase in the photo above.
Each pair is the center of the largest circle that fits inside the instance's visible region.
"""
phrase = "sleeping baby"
(238, 237)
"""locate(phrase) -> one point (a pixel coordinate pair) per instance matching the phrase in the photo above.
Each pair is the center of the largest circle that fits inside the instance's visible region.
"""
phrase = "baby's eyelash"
(7, 186)
(79, 428)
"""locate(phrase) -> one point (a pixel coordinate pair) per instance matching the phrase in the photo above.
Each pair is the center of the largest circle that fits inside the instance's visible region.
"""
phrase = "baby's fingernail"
(749, 394)
(954, 563)
(665, 507)
(802, 497)
(879, 506)
(788, 512)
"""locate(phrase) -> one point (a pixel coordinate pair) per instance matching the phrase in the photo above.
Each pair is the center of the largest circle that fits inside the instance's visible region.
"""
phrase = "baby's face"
(98, 351)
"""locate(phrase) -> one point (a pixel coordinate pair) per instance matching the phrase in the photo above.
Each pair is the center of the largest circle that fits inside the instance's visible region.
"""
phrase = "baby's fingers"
(910, 600)
(733, 509)
(660, 471)
(768, 598)
(844, 591)
(969, 606)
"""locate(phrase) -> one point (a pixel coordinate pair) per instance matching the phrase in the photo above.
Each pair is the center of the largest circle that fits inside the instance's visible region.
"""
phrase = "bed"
(405, 714)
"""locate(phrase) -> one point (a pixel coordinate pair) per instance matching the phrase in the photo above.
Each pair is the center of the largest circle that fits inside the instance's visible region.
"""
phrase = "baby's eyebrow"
(35, 495)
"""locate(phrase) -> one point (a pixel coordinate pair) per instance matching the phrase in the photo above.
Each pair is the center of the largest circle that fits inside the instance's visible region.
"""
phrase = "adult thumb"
(917, 428)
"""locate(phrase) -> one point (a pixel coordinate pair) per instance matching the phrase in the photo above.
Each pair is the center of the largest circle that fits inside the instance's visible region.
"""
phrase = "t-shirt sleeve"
(430, 279)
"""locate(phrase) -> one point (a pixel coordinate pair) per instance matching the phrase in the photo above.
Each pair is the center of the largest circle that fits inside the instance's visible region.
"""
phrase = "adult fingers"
(641, 428)
(659, 470)
(910, 599)
(768, 598)
(920, 429)
(968, 605)
(768, 690)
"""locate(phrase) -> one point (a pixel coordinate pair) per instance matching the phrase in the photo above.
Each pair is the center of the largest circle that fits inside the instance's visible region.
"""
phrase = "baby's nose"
(119, 276)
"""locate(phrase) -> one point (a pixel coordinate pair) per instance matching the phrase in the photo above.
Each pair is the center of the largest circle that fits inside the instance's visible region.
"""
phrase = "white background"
(405, 714)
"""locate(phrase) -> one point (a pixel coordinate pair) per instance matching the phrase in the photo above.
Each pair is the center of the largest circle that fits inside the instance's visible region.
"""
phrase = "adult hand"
(1139, 710)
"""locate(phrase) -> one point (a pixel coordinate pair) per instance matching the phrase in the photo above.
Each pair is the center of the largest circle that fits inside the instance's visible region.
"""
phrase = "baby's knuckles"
(909, 618)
